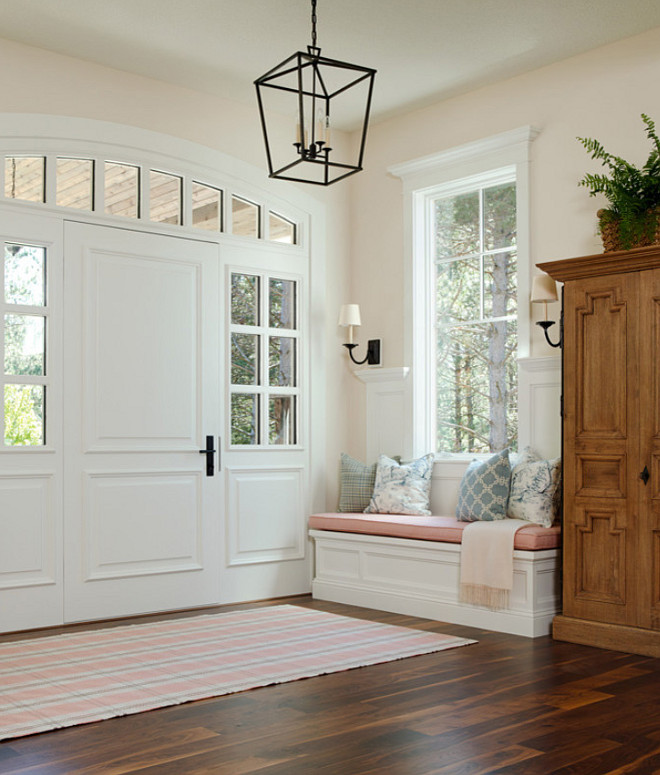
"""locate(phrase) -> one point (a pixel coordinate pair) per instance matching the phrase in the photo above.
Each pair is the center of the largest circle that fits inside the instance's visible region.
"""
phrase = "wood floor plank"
(509, 705)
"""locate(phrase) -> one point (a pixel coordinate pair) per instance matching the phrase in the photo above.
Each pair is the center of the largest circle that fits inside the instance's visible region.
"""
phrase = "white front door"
(142, 354)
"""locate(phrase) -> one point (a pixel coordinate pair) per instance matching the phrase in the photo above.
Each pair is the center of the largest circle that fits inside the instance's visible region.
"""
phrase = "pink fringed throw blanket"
(487, 562)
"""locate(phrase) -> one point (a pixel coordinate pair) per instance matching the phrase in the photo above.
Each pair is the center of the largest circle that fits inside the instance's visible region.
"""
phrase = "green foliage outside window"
(24, 340)
(476, 284)
(246, 366)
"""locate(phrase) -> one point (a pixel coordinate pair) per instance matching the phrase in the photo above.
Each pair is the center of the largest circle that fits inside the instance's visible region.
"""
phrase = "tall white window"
(466, 225)
(474, 297)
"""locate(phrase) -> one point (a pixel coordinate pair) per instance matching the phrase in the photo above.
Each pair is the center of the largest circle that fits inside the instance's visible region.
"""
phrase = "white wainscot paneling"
(27, 528)
(142, 523)
(140, 394)
(539, 405)
(421, 578)
(445, 481)
(385, 407)
(265, 514)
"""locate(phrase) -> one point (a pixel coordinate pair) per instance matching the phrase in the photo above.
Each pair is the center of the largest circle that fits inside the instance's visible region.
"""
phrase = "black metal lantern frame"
(316, 85)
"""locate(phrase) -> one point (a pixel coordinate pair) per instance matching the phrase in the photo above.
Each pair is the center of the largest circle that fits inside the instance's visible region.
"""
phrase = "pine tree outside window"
(474, 255)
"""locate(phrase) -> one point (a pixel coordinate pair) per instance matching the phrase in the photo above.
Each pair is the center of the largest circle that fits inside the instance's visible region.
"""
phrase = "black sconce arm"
(373, 353)
(545, 325)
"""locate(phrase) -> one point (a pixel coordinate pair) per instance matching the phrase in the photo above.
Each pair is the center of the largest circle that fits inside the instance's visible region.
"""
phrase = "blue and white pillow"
(535, 489)
(402, 488)
(484, 490)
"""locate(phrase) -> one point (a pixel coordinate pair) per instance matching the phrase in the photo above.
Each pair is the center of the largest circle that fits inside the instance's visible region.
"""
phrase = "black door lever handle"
(209, 452)
(645, 475)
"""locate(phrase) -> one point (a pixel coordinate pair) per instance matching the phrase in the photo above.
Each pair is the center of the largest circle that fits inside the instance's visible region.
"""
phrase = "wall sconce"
(544, 289)
(349, 316)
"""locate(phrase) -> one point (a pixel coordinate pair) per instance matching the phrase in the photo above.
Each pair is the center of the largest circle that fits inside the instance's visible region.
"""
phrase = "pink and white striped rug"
(75, 678)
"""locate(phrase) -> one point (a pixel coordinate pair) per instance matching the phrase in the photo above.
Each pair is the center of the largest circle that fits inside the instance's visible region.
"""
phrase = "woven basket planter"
(610, 233)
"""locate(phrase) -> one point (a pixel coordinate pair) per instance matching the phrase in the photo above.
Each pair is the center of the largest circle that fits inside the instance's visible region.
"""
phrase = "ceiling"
(424, 50)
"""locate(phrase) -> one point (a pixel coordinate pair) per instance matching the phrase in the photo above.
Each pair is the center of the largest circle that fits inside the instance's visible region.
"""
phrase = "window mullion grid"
(264, 300)
(144, 193)
(482, 242)
(186, 201)
(98, 189)
(3, 309)
(50, 171)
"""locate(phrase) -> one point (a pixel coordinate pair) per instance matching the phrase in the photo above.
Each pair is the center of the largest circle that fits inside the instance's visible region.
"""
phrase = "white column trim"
(369, 376)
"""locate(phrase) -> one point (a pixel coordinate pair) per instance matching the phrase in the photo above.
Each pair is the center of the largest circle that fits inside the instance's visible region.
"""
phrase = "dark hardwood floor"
(505, 705)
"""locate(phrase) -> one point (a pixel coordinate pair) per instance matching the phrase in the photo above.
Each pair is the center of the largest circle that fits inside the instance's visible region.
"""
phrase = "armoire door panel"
(599, 536)
(601, 324)
(600, 441)
(601, 475)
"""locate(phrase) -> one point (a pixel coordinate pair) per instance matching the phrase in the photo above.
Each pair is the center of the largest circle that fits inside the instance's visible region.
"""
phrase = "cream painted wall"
(38, 81)
(598, 94)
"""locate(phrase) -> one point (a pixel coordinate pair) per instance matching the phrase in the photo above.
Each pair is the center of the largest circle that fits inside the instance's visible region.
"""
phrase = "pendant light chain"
(314, 23)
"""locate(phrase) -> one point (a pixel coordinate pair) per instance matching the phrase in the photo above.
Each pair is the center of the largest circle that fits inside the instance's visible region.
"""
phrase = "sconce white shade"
(544, 289)
(349, 315)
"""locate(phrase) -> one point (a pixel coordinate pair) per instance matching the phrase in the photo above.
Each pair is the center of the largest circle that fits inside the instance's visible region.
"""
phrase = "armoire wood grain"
(611, 434)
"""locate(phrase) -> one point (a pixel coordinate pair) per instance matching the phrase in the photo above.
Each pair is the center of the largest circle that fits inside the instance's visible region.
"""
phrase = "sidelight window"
(264, 346)
(24, 338)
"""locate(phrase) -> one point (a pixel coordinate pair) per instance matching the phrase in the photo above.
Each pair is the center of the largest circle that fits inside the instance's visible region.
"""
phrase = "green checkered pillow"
(357, 484)
(484, 489)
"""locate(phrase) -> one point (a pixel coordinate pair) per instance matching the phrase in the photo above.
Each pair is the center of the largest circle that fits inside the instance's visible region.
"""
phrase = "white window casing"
(422, 178)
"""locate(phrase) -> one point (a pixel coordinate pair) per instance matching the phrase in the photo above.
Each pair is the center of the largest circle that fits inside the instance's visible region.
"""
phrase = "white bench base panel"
(421, 578)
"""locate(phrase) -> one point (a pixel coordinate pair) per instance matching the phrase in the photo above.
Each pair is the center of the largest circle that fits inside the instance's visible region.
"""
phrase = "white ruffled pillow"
(534, 492)
(402, 488)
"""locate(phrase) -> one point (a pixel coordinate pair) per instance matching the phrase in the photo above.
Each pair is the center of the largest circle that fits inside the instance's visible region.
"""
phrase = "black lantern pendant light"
(315, 91)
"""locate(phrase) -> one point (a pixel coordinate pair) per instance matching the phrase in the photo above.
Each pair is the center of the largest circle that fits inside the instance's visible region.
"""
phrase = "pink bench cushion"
(448, 529)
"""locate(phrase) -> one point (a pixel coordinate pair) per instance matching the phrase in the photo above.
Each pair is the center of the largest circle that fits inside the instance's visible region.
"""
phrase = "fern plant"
(633, 192)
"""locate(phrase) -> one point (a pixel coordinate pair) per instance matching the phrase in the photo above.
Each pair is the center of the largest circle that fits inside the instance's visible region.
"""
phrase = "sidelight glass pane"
(281, 230)
(244, 217)
(282, 361)
(24, 407)
(165, 197)
(244, 359)
(244, 418)
(281, 420)
(244, 299)
(25, 178)
(282, 303)
(25, 275)
(122, 189)
(206, 207)
(75, 183)
(25, 344)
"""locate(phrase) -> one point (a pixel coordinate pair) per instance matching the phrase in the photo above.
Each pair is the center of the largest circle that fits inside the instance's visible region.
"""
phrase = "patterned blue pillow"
(535, 489)
(484, 490)
(402, 488)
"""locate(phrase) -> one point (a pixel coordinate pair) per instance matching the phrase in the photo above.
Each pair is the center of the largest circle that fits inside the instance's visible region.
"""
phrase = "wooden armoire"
(611, 450)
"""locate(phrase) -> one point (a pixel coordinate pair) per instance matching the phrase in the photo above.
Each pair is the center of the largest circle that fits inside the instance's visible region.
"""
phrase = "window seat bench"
(410, 565)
